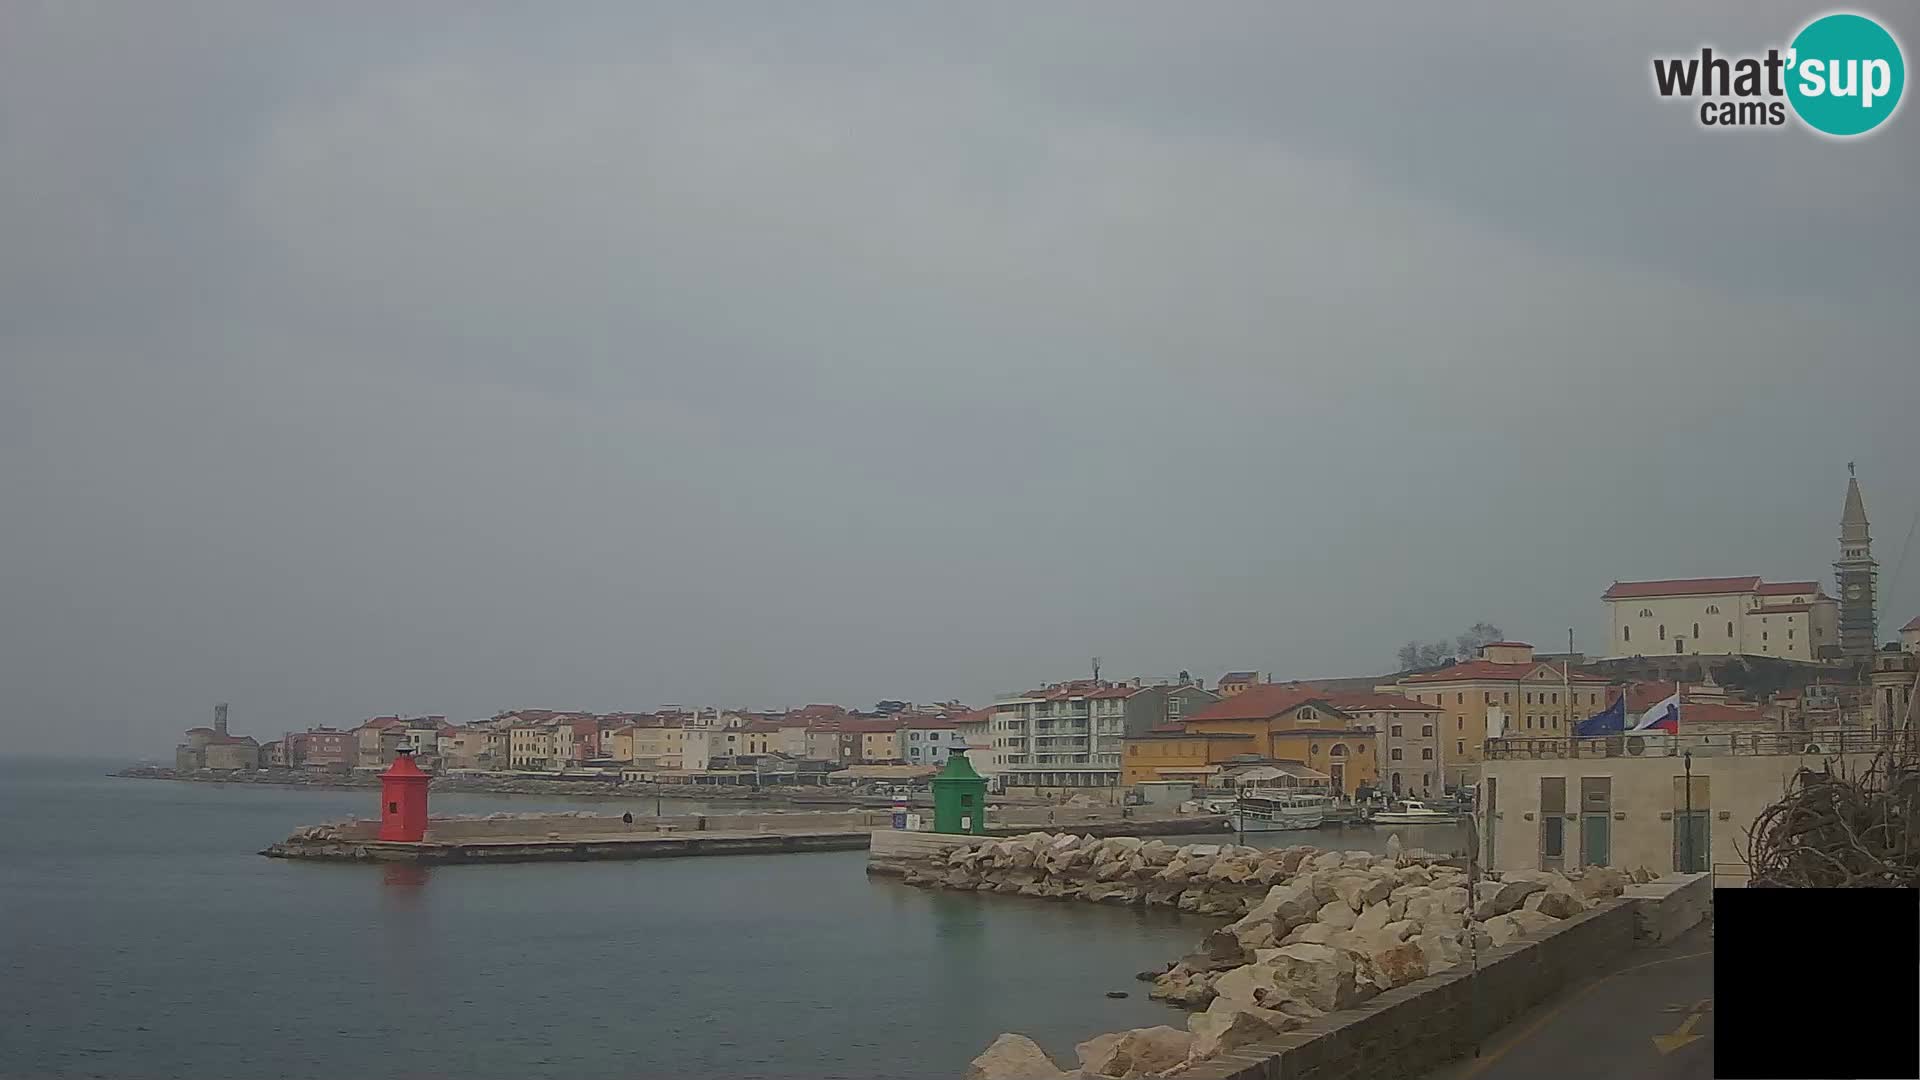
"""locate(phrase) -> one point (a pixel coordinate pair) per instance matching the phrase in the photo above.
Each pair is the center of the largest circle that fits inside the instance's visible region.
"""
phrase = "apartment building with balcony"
(1061, 738)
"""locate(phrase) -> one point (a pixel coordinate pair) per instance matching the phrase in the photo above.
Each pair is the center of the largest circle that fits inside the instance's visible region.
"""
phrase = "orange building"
(1264, 721)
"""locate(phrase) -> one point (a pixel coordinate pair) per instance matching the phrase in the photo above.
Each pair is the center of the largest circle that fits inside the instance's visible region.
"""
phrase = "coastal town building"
(215, 748)
(929, 740)
(1407, 737)
(1504, 690)
(1063, 736)
(1237, 682)
(1857, 575)
(1727, 616)
(1910, 635)
(1554, 804)
(319, 748)
(1293, 722)
(1161, 703)
(1893, 689)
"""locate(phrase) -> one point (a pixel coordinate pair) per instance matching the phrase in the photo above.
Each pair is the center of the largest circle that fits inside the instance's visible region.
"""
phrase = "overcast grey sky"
(367, 358)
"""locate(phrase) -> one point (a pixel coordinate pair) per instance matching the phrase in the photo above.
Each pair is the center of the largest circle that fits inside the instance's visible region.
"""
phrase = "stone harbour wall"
(1325, 940)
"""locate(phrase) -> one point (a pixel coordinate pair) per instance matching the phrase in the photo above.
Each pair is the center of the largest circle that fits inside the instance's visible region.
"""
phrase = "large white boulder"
(1493, 898)
(1555, 904)
(1321, 975)
(1220, 1029)
(1014, 1057)
(1338, 915)
(1359, 891)
(1140, 1052)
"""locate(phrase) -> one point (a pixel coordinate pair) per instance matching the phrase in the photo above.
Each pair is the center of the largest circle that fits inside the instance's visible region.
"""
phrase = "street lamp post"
(1686, 832)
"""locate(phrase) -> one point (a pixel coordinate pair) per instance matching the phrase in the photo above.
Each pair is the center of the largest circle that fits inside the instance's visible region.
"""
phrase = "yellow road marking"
(1681, 1036)
(1494, 1055)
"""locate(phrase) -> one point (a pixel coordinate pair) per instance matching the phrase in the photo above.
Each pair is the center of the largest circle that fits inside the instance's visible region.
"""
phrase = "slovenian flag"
(1662, 717)
(1611, 720)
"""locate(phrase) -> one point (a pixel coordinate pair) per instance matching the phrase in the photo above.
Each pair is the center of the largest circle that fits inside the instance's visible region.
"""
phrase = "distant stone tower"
(220, 719)
(1856, 574)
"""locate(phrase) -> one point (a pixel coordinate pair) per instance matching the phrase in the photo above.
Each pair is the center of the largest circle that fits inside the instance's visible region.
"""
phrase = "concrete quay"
(593, 838)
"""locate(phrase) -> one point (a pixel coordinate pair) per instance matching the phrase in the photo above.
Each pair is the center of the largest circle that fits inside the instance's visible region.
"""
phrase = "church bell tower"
(1855, 574)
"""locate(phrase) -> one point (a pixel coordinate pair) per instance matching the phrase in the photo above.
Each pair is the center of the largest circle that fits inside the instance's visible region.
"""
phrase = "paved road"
(1649, 1018)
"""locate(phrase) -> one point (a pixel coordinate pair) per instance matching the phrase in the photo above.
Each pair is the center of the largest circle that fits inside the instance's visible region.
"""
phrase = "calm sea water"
(140, 936)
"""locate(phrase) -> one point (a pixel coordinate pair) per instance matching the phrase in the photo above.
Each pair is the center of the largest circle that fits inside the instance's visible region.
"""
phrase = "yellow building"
(530, 746)
(1264, 721)
(1180, 755)
(617, 744)
(1504, 689)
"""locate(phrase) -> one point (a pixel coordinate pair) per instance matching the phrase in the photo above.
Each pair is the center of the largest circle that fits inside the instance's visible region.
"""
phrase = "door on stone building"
(1692, 836)
(1553, 822)
(1596, 820)
(1338, 772)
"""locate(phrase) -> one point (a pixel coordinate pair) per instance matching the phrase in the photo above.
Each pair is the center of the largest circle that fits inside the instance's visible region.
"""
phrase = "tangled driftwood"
(1837, 829)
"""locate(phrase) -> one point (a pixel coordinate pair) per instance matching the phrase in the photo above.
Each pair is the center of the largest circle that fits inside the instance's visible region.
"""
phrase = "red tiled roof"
(1240, 676)
(1175, 731)
(1914, 625)
(1706, 586)
(931, 723)
(1508, 645)
(1362, 701)
(1487, 670)
(1261, 701)
(862, 725)
(1712, 712)
(1788, 588)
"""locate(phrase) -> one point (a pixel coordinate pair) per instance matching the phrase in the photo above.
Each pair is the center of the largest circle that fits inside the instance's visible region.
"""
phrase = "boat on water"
(1277, 811)
(1413, 813)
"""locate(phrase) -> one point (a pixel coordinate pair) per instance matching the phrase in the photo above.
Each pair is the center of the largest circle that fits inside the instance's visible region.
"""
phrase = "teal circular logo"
(1845, 74)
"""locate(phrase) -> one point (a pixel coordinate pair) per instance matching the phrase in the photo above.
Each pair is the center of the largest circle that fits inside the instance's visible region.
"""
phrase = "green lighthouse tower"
(959, 797)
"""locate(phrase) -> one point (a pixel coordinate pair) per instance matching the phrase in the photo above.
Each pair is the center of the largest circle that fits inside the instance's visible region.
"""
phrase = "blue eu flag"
(1611, 720)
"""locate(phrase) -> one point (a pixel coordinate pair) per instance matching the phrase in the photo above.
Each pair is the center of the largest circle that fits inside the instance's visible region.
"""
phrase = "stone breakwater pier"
(1338, 964)
(588, 837)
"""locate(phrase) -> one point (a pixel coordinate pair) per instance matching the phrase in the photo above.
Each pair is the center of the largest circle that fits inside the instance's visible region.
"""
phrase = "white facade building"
(1067, 735)
(1738, 616)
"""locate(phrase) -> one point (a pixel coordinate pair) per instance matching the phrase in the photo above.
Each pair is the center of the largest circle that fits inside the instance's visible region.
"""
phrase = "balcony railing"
(1817, 743)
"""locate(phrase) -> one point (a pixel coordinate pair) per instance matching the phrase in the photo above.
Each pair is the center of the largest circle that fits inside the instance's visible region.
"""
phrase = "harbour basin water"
(144, 938)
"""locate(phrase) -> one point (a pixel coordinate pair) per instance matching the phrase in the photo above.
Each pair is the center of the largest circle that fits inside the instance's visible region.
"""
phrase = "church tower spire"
(1855, 574)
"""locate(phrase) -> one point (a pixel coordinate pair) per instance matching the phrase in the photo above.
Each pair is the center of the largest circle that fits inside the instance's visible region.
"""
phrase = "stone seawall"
(1341, 964)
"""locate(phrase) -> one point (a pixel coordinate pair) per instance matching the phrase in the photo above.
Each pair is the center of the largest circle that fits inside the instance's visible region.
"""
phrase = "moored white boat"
(1413, 813)
(1263, 811)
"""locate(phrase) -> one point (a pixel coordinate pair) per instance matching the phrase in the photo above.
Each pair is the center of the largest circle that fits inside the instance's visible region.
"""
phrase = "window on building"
(1426, 731)
(1393, 754)
(1459, 746)
(1626, 633)
(1529, 699)
(1489, 696)
(1427, 754)
(1426, 779)
(1339, 750)
(1556, 699)
(1459, 723)
(1729, 629)
(1789, 634)
(1459, 699)
(1696, 629)
(1646, 613)
(1394, 730)
(1663, 631)
(1713, 609)
(1506, 697)
(1763, 635)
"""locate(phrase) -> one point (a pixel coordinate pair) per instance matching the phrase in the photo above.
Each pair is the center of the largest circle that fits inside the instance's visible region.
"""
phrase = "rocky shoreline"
(1317, 932)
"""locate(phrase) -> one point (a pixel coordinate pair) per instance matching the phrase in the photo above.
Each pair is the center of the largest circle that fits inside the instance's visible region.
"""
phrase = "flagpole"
(1566, 684)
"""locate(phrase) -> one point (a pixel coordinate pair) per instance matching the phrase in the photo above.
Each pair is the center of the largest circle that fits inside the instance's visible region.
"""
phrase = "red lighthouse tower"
(403, 800)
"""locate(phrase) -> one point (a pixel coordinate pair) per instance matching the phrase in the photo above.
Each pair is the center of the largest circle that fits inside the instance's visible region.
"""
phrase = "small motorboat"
(1413, 813)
